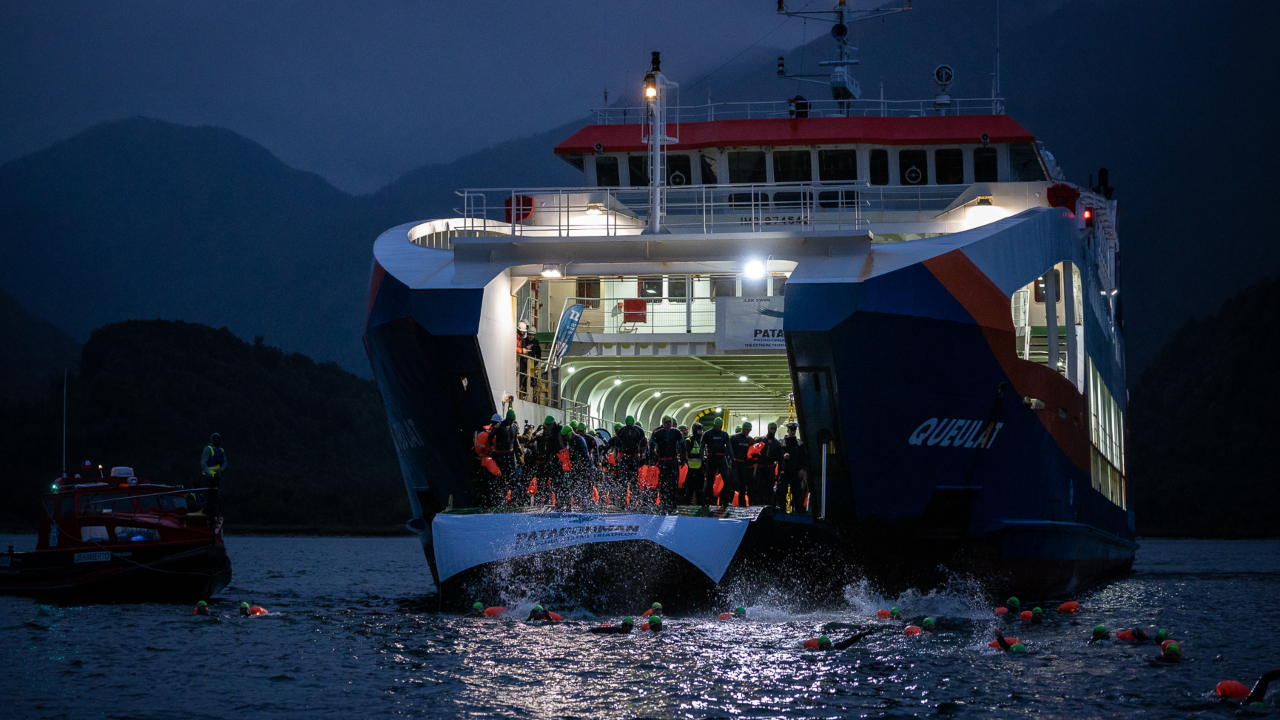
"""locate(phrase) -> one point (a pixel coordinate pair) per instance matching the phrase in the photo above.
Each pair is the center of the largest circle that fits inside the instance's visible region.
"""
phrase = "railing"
(638, 316)
(816, 108)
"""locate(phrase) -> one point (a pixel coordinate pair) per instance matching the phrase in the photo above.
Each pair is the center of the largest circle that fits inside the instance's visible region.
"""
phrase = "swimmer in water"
(1037, 616)
(1232, 690)
(654, 624)
(1136, 636)
(1006, 645)
(628, 624)
(1100, 635)
(244, 609)
(201, 608)
(1015, 608)
(1170, 652)
(538, 613)
(739, 613)
(477, 610)
(655, 609)
(824, 642)
(929, 625)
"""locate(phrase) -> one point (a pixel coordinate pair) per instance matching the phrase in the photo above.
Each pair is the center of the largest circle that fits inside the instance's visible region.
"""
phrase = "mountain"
(1203, 421)
(33, 352)
(307, 443)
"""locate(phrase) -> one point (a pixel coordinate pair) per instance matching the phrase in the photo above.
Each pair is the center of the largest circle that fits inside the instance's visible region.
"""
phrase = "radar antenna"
(844, 89)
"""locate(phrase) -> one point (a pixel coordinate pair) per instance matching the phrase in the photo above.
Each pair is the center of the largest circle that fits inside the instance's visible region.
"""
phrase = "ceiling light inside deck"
(755, 269)
(617, 382)
(595, 208)
(551, 271)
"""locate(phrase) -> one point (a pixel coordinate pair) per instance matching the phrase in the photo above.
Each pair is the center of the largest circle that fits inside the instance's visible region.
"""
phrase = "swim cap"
(1013, 602)
(537, 608)
(894, 612)
(1017, 647)
(631, 420)
(667, 419)
(628, 620)
(566, 430)
(511, 414)
(617, 426)
(928, 621)
(549, 421)
(1162, 634)
(1037, 611)
(738, 429)
(244, 604)
(740, 610)
(824, 640)
(202, 604)
(773, 426)
(719, 422)
(656, 606)
(746, 426)
(655, 620)
(682, 428)
(477, 606)
(1171, 648)
(1099, 631)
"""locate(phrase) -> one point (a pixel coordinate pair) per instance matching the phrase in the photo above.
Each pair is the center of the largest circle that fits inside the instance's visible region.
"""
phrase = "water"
(352, 634)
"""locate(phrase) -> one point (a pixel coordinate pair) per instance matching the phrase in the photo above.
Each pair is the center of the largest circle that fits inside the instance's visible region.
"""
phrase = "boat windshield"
(112, 502)
(153, 503)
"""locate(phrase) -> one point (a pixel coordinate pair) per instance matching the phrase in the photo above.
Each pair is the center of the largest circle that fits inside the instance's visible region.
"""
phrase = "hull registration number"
(92, 557)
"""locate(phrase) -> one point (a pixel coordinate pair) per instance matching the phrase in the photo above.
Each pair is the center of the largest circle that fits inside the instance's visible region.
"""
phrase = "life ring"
(677, 179)
(913, 175)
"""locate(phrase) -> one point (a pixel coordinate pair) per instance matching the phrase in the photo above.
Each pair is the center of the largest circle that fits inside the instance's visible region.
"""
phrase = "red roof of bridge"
(774, 132)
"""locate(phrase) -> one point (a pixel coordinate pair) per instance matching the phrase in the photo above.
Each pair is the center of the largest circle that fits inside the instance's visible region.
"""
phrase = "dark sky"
(361, 92)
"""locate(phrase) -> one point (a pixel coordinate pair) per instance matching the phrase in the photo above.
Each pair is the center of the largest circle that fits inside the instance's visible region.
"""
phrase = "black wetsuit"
(504, 443)
(740, 444)
(546, 462)
(630, 448)
(847, 642)
(693, 480)
(789, 476)
(715, 459)
(668, 445)
(613, 630)
(1259, 691)
(766, 470)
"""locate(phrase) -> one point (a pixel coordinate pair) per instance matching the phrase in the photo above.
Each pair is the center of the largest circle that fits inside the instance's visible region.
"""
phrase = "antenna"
(996, 89)
(64, 422)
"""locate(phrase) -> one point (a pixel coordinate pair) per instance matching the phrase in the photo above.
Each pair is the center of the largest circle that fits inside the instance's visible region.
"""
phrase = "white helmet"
(522, 326)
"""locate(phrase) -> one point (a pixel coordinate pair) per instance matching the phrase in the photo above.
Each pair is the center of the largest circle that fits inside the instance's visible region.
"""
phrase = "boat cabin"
(116, 511)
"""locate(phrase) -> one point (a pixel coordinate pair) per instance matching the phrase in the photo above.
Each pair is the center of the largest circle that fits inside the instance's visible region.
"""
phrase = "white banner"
(464, 541)
(749, 323)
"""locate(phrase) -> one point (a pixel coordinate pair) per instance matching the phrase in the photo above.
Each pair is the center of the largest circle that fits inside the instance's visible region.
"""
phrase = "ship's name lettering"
(955, 432)
(773, 220)
(574, 531)
(767, 333)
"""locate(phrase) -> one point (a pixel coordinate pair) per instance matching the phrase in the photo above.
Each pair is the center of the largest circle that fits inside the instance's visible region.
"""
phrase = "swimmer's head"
(1100, 632)
(1037, 611)
(537, 608)
(656, 606)
(1013, 603)
(477, 606)
(928, 623)
(628, 620)
(719, 423)
(1171, 649)
(202, 604)
(824, 641)
(895, 613)
(740, 610)
(1162, 635)
(655, 622)
(1017, 648)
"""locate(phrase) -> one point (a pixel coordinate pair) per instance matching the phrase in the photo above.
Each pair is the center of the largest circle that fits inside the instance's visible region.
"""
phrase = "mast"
(656, 87)
(64, 422)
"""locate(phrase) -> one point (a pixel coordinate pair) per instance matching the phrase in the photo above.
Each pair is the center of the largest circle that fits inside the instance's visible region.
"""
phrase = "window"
(792, 166)
(742, 201)
(678, 288)
(638, 165)
(153, 503)
(879, 167)
(131, 534)
(589, 288)
(50, 506)
(913, 167)
(94, 533)
(1057, 283)
(67, 506)
(779, 284)
(723, 286)
(607, 171)
(679, 170)
(984, 165)
(830, 199)
(792, 200)
(752, 287)
(116, 502)
(747, 167)
(651, 288)
(708, 170)
(837, 165)
(949, 165)
(1024, 164)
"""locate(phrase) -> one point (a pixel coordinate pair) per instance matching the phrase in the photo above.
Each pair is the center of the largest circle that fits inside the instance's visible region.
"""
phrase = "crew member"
(628, 623)
(766, 470)
(213, 462)
(530, 352)
(504, 443)
(715, 459)
(630, 448)
(669, 447)
(692, 448)
(740, 444)
(794, 459)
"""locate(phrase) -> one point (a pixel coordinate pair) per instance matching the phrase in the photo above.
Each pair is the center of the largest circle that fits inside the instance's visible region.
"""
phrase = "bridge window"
(724, 286)
(607, 171)
(679, 170)
(1057, 287)
(779, 285)
(913, 167)
(678, 288)
(879, 167)
(792, 166)
(837, 165)
(589, 288)
(1024, 164)
(985, 168)
(639, 167)
(708, 171)
(651, 287)
(747, 167)
(754, 287)
(949, 165)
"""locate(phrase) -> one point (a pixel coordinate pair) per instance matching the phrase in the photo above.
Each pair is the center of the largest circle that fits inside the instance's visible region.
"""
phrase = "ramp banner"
(564, 335)
(749, 323)
(464, 541)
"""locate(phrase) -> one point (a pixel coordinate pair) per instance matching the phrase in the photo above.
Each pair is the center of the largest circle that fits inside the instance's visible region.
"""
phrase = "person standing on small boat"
(213, 462)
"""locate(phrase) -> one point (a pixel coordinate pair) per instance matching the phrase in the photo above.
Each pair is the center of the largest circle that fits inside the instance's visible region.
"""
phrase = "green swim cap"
(1037, 611)
(1162, 634)
(617, 426)
(549, 421)
(655, 620)
(740, 610)
(566, 430)
(773, 425)
(628, 620)
(746, 426)
(656, 606)
(1172, 648)
(1257, 704)
(738, 429)
(894, 612)
(1099, 630)
(477, 606)
(511, 414)
(1017, 647)
(667, 418)
(1013, 602)
(244, 604)
(683, 428)
(537, 608)
(824, 640)
(719, 422)
(928, 621)
(202, 604)
(631, 420)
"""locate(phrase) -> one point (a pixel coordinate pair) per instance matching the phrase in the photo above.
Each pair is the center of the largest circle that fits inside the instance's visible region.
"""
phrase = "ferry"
(118, 538)
(917, 283)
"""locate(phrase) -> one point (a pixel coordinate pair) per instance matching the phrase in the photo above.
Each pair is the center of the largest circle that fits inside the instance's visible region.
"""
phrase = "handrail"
(762, 109)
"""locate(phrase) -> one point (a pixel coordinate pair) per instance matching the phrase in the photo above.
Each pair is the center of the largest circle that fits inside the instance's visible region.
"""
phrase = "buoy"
(533, 486)
(257, 610)
(508, 496)
(684, 471)
(811, 643)
(494, 611)
(647, 613)
(1126, 635)
(1002, 611)
(718, 485)
(754, 451)
(882, 614)
(658, 500)
(565, 463)
(555, 616)
(1231, 689)
(1069, 606)
(996, 643)
(1026, 615)
(595, 495)
(491, 465)
(912, 630)
(726, 616)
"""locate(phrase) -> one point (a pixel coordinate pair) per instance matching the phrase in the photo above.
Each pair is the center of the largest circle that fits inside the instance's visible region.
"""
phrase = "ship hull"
(178, 573)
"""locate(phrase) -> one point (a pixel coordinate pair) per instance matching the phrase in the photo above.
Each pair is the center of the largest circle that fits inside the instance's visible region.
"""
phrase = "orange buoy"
(1026, 615)
(882, 614)
(912, 630)
(606, 498)
(553, 497)
(718, 485)
(595, 495)
(555, 616)
(996, 643)
(1230, 688)
(1002, 611)
(811, 643)
(658, 499)
(647, 613)
(1069, 606)
(1126, 635)
(533, 486)
(684, 470)
(628, 496)
(644, 627)
(565, 462)
(754, 451)
(726, 616)
(257, 610)
(494, 611)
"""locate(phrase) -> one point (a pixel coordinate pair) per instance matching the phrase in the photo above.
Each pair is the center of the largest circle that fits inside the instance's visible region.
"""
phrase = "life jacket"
(217, 457)
(695, 453)
(482, 443)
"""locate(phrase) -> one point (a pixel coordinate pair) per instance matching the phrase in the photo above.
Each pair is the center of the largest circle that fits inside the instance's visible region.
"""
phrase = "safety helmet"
(522, 326)
(496, 418)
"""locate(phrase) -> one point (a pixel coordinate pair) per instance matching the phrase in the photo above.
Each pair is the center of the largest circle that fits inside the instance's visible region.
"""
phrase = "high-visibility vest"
(216, 459)
(695, 455)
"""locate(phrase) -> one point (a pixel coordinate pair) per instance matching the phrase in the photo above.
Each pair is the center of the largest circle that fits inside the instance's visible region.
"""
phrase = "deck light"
(686, 404)
(742, 378)
(1113, 292)
(719, 409)
(658, 394)
(595, 208)
(984, 200)
(573, 369)
(755, 270)
(551, 271)
(617, 381)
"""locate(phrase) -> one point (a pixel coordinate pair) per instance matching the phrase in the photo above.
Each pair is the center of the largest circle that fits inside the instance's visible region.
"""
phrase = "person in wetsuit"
(579, 479)
(546, 460)
(825, 643)
(740, 445)
(540, 613)
(477, 610)
(669, 447)
(201, 608)
(792, 471)
(715, 459)
(503, 445)
(630, 450)
(628, 624)
(692, 449)
(766, 470)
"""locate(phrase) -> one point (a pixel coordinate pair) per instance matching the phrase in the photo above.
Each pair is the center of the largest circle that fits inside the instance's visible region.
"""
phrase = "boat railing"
(641, 316)
(815, 109)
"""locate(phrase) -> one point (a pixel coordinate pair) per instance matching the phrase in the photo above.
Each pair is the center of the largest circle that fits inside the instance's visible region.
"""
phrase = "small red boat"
(120, 538)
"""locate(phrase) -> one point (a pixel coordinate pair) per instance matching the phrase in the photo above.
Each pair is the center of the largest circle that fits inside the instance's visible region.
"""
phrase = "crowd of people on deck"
(570, 465)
